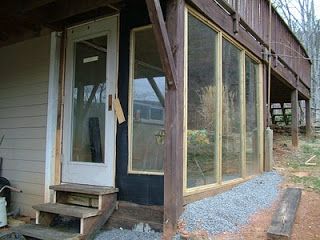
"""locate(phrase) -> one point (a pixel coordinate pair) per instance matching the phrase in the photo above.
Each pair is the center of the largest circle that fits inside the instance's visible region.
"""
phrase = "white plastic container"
(3, 212)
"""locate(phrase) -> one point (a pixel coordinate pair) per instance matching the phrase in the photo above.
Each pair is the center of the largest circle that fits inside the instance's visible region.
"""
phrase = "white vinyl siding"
(24, 71)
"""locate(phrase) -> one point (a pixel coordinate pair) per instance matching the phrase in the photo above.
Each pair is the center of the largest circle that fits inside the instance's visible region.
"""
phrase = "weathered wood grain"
(173, 163)
(284, 218)
(163, 43)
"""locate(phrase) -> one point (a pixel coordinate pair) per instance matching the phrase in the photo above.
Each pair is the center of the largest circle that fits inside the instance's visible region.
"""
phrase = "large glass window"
(231, 113)
(147, 104)
(202, 104)
(222, 130)
(252, 151)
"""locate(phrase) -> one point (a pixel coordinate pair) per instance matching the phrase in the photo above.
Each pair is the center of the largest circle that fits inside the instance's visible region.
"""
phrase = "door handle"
(110, 102)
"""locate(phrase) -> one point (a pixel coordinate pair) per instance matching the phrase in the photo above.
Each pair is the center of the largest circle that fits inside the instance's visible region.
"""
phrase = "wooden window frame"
(188, 192)
(130, 104)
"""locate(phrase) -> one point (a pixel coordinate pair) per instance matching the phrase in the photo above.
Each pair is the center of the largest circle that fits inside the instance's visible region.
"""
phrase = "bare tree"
(301, 17)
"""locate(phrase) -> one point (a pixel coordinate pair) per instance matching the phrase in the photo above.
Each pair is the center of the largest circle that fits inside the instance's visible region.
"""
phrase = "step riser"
(129, 215)
(89, 226)
(84, 200)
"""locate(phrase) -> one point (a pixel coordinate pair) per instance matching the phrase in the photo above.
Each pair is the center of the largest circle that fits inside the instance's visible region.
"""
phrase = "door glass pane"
(231, 122)
(89, 99)
(202, 104)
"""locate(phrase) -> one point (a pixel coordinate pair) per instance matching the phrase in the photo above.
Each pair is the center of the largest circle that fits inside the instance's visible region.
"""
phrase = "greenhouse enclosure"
(128, 110)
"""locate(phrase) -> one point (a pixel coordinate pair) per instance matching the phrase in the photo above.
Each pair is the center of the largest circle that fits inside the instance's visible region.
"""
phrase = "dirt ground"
(291, 164)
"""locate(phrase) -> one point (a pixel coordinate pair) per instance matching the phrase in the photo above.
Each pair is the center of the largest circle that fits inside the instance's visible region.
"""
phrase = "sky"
(317, 7)
(295, 4)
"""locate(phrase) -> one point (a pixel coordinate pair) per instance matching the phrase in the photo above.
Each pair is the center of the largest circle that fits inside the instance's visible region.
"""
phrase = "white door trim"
(84, 31)
(52, 115)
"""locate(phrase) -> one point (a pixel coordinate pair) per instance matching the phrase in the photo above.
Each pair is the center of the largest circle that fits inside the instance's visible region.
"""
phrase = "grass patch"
(309, 182)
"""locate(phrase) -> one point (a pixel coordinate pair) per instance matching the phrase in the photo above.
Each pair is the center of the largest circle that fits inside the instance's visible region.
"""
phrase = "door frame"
(112, 69)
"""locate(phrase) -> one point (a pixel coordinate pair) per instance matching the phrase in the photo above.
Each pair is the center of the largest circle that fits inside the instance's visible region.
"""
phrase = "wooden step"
(85, 189)
(67, 210)
(48, 233)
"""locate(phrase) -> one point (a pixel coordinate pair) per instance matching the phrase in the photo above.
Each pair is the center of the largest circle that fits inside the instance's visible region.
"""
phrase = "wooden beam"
(174, 111)
(294, 118)
(284, 218)
(33, 4)
(157, 91)
(69, 8)
(308, 119)
(163, 43)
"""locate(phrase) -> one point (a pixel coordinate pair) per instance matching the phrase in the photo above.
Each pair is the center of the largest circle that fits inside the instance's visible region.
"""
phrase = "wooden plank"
(24, 101)
(28, 155)
(44, 218)
(59, 137)
(68, 8)
(33, 4)
(294, 118)
(77, 199)
(22, 176)
(29, 144)
(38, 232)
(284, 218)
(85, 189)
(174, 112)
(162, 40)
(28, 89)
(67, 210)
(29, 188)
(89, 226)
(25, 111)
(23, 133)
(27, 122)
(29, 166)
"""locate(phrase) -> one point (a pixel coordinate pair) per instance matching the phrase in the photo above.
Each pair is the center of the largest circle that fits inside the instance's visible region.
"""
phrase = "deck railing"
(290, 51)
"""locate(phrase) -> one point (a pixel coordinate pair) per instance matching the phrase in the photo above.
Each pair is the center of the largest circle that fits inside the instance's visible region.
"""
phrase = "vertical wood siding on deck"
(24, 74)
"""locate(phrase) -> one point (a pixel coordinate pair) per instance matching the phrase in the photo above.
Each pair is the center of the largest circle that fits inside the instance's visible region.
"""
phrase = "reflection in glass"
(89, 99)
(202, 104)
(231, 121)
(148, 104)
(252, 155)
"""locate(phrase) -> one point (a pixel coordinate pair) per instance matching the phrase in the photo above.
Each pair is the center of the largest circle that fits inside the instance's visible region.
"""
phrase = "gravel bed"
(119, 234)
(226, 212)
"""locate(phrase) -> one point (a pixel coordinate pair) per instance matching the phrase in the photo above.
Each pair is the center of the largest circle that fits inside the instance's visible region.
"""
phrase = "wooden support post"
(163, 42)
(294, 118)
(60, 110)
(308, 119)
(174, 111)
(266, 110)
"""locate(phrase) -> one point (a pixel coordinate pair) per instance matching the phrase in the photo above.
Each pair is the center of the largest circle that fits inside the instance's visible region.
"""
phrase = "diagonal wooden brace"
(163, 43)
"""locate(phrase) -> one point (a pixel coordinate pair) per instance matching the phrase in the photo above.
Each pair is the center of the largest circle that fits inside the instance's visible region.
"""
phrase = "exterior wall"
(24, 69)
(140, 189)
